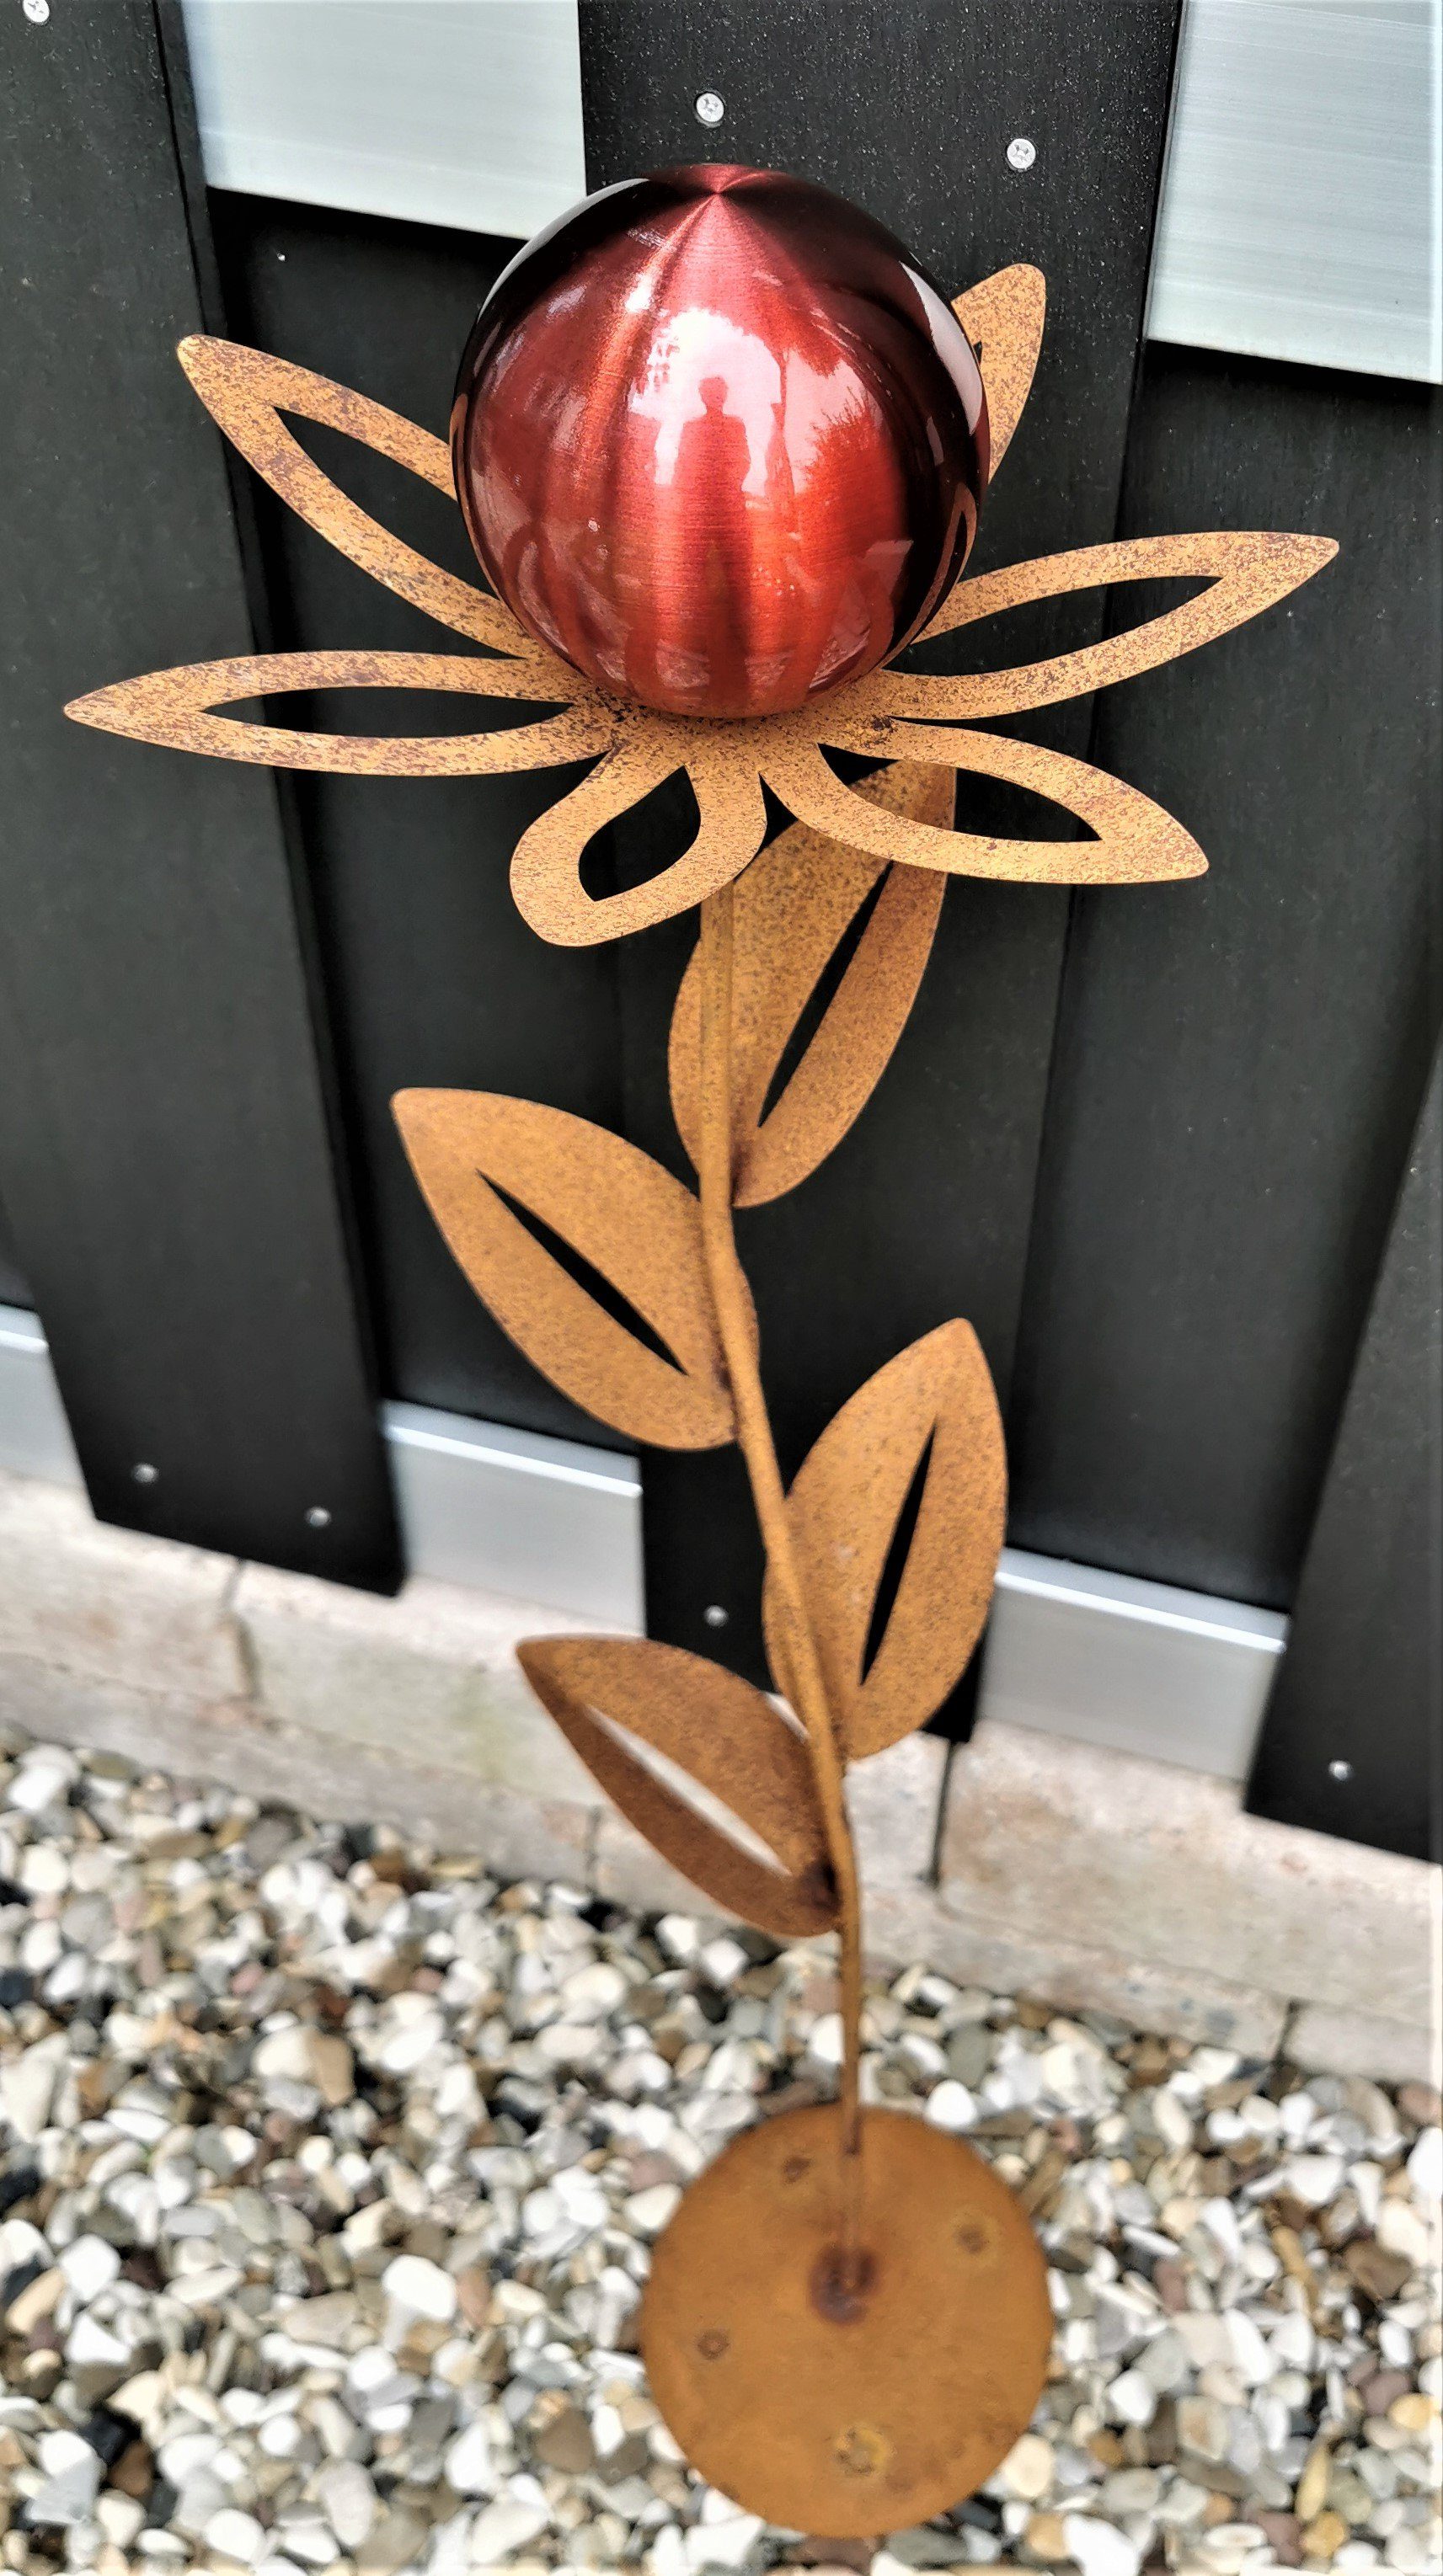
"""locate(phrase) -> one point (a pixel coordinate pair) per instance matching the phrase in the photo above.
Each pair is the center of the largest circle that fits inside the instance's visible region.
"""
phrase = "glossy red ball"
(719, 441)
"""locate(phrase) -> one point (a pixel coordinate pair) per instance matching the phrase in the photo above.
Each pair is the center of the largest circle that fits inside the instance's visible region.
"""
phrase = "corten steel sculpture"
(721, 447)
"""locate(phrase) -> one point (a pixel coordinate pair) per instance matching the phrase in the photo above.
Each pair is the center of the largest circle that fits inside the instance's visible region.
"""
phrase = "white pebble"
(1027, 2470)
(1132, 2399)
(1099, 2548)
(950, 2106)
(1425, 2166)
(89, 2265)
(348, 2500)
(648, 2211)
(415, 2287)
(236, 2535)
(506, 2526)
(470, 2465)
(1311, 2179)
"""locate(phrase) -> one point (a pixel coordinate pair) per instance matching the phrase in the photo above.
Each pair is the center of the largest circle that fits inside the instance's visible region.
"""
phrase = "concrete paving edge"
(1089, 1879)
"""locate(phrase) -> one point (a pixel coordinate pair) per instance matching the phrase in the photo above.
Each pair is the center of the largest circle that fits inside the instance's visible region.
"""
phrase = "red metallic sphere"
(719, 441)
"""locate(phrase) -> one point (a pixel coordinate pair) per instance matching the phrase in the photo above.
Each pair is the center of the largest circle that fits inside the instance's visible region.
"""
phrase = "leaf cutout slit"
(1002, 808)
(683, 1784)
(402, 502)
(598, 1287)
(819, 1001)
(331, 711)
(644, 842)
(1045, 626)
(895, 1562)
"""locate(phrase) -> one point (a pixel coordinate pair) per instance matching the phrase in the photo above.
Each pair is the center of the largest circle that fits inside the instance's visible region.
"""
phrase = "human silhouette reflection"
(713, 460)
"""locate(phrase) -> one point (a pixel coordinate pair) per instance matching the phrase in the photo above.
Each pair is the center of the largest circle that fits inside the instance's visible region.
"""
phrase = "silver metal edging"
(1104, 1659)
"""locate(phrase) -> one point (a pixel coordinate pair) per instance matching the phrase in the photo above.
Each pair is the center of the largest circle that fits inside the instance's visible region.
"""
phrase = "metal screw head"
(711, 107)
(1340, 1770)
(1021, 153)
(145, 1474)
(37, 11)
(714, 1615)
(318, 1517)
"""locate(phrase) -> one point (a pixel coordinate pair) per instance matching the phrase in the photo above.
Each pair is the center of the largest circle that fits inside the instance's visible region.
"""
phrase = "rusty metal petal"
(173, 708)
(792, 907)
(626, 1219)
(245, 393)
(1244, 574)
(726, 1737)
(721, 761)
(1137, 843)
(1003, 317)
(934, 1402)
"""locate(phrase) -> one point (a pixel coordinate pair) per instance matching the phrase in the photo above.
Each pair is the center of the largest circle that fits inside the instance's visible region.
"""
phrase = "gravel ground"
(328, 2171)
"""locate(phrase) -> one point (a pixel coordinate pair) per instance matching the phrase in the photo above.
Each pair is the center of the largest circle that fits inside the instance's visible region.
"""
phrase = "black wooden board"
(1240, 1059)
(14, 1287)
(1352, 1741)
(925, 1211)
(431, 974)
(165, 1158)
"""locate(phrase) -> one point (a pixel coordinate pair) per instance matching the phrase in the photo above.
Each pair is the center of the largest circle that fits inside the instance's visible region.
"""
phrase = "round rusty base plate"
(847, 2407)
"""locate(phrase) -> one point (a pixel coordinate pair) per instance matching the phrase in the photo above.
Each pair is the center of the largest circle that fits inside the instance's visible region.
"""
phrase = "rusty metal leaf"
(1137, 842)
(792, 907)
(721, 762)
(933, 1402)
(173, 708)
(620, 1213)
(1003, 317)
(1245, 572)
(246, 392)
(726, 1737)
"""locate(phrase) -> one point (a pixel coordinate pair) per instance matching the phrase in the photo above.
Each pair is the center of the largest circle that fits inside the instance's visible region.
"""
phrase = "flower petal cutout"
(173, 708)
(245, 393)
(1245, 573)
(1003, 317)
(721, 761)
(1137, 842)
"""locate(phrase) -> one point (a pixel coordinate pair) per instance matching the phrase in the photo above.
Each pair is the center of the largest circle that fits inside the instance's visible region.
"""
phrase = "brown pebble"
(1374, 2269)
(1312, 2486)
(1106, 2449)
(1379, 2389)
(1039, 2192)
(473, 2294)
(1219, 2508)
(134, 2472)
(1292, 2213)
(1414, 2412)
(1283, 2534)
(565, 2443)
(647, 2169)
(1325, 2536)
(1422, 2104)
(1045, 2536)
(1170, 2282)
(830, 2553)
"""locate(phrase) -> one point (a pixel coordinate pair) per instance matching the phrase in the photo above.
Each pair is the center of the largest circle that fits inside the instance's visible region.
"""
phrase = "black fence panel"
(1352, 1741)
(14, 1287)
(925, 1210)
(1240, 1059)
(431, 974)
(165, 1156)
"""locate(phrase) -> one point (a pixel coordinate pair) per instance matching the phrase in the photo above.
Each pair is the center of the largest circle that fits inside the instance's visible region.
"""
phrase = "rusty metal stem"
(802, 1679)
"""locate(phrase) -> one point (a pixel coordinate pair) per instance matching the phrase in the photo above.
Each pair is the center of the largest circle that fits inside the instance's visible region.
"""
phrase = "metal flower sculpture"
(847, 2323)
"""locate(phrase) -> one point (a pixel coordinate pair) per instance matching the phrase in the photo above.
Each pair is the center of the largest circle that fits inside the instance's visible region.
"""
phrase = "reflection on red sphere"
(719, 441)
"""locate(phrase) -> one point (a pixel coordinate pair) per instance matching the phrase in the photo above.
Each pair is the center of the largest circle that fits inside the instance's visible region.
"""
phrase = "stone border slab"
(1091, 1879)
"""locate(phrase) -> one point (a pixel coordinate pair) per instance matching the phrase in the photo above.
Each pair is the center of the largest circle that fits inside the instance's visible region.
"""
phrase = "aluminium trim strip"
(1100, 1658)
